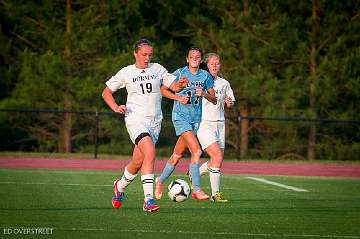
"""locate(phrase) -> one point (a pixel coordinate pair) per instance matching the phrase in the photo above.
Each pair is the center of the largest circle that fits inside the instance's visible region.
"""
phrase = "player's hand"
(183, 99)
(120, 109)
(228, 101)
(183, 82)
(198, 92)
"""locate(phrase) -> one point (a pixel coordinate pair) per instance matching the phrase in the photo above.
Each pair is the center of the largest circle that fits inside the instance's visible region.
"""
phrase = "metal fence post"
(238, 137)
(96, 134)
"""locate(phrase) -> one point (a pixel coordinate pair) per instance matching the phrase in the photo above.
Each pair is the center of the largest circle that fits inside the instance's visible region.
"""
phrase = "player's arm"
(229, 97)
(107, 95)
(210, 95)
(166, 92)
(177, 86)
(229, 102)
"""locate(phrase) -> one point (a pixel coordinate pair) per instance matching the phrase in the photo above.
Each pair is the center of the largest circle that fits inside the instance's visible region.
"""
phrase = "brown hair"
(194, 48)
(141, 42)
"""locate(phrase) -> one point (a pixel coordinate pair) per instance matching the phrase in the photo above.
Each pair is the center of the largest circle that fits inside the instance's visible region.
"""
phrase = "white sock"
(148, 185)
(204, 168)
(125, 180)
(214, 174)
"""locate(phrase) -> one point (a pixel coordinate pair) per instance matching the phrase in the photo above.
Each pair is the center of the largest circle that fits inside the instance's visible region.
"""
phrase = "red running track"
(262, 168)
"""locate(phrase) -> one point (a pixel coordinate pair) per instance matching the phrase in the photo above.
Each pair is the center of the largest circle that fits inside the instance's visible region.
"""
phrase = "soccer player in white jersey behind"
(211, 133)
(186, 118)
(143, 117)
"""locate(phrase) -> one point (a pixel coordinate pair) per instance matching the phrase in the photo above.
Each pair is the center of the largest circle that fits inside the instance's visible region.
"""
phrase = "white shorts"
(136, 128)
(210, 132)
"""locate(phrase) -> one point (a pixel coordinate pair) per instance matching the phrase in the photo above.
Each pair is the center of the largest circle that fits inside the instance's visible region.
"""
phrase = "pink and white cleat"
(150, 206)
(118, 196)
(200, 195)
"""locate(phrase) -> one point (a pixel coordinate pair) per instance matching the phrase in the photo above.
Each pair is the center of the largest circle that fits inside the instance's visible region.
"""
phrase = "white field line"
(79, 184)
(277, 184)
(244, 234)
(109, 185)
(57, 184)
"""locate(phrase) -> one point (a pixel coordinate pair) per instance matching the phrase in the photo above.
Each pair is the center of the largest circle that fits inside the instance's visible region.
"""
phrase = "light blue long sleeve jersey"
(191, 112)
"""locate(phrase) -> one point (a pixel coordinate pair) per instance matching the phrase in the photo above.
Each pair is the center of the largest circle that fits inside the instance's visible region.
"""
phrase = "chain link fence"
(39, 130)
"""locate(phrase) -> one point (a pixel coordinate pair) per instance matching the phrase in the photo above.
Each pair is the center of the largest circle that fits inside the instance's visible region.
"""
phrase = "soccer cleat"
(118, 196)
(150, 206)
(200, 195)
(190, 179)
(159, 187)
(218, 197)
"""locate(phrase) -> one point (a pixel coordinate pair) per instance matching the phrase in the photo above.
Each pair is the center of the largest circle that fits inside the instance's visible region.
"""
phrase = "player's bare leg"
(147, 149)
(130, 172)
(179, 149)
(216, 159)
(169, 167)
(211, 163)
(136, 162)
(131, 169)
(195, 150)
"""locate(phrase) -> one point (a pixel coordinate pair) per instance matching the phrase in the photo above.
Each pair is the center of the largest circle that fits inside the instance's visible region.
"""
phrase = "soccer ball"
(179, 190)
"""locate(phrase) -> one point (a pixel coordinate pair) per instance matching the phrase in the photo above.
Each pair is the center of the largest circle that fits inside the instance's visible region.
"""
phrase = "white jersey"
(211, 112)
(143, 90)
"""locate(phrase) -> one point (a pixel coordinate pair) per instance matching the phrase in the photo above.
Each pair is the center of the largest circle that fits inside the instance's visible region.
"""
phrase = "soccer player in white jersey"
(211, 133)
(186, 118)
(143, 117)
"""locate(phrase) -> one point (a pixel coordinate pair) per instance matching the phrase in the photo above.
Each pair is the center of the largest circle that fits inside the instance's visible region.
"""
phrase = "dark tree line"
(282, 59)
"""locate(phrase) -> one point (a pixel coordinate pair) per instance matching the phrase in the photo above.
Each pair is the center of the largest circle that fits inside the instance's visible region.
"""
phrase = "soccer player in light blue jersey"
(186, 116)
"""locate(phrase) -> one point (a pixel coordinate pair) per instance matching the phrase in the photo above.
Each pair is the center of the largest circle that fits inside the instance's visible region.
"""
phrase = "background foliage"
(281, 58)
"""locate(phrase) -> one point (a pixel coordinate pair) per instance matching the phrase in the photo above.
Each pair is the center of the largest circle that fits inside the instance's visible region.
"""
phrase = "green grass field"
(77, 204)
